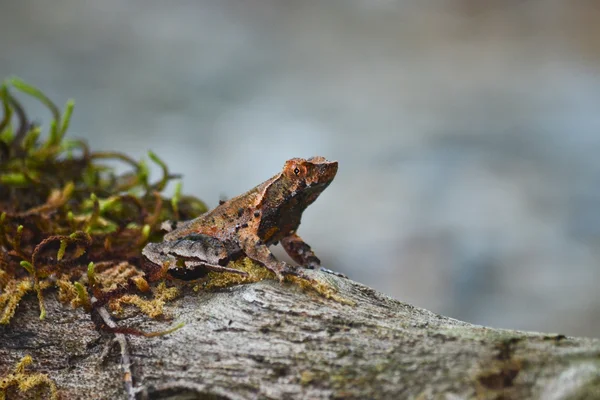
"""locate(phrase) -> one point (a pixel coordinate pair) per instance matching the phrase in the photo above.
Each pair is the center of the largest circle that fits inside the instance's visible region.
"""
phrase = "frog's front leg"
(300, 251)
(259, 252)
(303, 254)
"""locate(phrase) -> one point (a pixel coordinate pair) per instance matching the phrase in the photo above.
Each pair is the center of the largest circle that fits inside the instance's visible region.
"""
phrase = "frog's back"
(221, 221)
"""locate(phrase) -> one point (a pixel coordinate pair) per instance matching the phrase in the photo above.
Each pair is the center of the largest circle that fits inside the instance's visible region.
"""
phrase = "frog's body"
(248, 224)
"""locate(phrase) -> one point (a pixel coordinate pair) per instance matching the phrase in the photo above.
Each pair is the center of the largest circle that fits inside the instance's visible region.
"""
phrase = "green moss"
(256, 272)
(62, 208)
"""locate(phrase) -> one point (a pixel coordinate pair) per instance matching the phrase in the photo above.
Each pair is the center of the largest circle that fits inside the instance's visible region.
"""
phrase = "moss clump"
(61, 208)
(25, 381)
(255, 273)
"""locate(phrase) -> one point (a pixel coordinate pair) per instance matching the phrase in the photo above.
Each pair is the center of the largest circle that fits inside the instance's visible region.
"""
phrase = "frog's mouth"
(326, 172)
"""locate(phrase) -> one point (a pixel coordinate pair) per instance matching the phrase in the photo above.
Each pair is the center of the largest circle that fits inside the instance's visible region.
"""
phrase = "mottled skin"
(248, 224)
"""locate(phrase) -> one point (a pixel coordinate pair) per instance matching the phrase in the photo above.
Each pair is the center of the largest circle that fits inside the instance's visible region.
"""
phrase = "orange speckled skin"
(247, 224)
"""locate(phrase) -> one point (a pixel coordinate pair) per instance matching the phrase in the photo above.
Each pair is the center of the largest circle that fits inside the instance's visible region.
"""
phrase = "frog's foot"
(281, 270)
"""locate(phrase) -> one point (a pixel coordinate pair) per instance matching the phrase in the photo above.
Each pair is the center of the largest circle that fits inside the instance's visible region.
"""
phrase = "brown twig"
(122, 340)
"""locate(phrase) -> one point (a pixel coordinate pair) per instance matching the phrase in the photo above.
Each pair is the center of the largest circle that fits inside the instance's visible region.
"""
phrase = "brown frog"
(247, 225)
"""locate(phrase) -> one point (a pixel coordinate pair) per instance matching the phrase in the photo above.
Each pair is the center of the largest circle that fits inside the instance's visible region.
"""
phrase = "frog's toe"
(282, 270)
(313, 263)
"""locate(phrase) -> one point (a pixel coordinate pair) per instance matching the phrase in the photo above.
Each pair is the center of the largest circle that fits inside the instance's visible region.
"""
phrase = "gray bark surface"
(275, 341)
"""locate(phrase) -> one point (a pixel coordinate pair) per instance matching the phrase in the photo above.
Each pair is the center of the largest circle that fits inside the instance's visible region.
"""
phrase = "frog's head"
(288, 194)
(309, 177)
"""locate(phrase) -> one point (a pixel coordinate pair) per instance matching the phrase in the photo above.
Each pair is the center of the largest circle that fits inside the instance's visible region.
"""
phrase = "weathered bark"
(267, 340)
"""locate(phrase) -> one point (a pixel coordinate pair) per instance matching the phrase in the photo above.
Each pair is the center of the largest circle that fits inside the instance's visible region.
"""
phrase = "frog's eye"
(296, 171)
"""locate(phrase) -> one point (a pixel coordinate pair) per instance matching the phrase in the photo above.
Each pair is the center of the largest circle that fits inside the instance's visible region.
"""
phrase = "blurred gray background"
(467, 132)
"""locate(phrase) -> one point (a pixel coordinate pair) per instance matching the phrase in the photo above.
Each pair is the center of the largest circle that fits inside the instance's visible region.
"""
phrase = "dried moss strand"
(160, 185)
(125, 359)
(72, 144)
(108, 155)
(25, 87)
(3, 240)
(153, 218)
(23, 124)
(7, 110)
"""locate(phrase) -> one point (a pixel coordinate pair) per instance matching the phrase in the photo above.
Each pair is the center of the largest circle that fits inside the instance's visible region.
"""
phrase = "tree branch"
(272, 340)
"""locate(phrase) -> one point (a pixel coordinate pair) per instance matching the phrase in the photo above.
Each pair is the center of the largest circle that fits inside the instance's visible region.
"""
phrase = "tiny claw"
(280, 276)
(282, 270)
